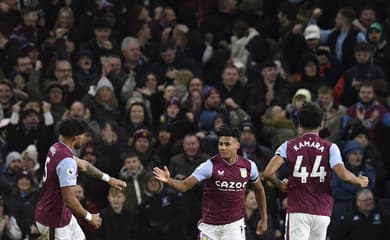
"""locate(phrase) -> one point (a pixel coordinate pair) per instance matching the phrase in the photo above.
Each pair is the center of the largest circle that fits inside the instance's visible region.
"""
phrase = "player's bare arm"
(347, 176)
(164, 176)
(270, 172)
(262, 203)
(91, 170)
(70, 200)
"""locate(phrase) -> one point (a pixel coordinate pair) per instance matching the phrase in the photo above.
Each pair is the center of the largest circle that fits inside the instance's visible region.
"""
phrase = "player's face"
(227, 147)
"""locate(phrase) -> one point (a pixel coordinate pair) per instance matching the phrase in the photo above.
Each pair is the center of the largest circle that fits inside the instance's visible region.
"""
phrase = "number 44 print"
(317, 171)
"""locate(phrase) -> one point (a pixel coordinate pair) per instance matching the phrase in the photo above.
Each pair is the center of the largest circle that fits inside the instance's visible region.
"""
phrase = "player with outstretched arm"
(225, 178)
(57, 201)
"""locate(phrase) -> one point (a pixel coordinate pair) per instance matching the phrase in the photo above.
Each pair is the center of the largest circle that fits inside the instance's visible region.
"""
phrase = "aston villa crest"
(243, 172)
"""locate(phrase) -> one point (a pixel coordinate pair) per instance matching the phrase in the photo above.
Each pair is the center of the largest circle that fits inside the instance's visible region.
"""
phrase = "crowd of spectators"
(156, 80)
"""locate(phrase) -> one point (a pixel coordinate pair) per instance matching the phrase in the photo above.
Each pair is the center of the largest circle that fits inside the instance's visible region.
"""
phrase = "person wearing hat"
(178, 118)
(86, 70)
(142, 143)
(376, 37)
(56, 97)
(12, 167)
(344, 193)
(251, 148)
(372, 155)
(30, 161)
(28, 126)
(103, 105)
(102, 43)
(211, 100)
(93, 189)
(268, 90)
(22, 203)
(343, 38)
(161, 214)
(346, 89)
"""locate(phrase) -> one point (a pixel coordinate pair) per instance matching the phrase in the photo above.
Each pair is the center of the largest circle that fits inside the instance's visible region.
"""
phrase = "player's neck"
(310, 131)
(67, 142)
(231, 160)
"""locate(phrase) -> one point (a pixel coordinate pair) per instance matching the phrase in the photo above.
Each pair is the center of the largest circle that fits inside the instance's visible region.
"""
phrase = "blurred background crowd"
(156, 80)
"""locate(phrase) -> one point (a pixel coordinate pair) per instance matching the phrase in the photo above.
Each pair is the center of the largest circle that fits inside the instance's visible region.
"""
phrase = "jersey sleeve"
(203, 171)
(67, 172)
(334, 156)
(282, 150)
(254, 172)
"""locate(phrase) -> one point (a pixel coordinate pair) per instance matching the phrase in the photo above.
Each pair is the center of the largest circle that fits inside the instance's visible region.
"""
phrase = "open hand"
(116, 183)
(162, 175)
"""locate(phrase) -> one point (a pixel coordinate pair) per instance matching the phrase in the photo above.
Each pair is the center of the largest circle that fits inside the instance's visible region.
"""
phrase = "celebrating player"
(54, 209)
(309, 159)
(225, 176)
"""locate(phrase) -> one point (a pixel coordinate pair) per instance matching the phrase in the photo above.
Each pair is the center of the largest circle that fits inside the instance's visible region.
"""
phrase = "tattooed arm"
(91, 170)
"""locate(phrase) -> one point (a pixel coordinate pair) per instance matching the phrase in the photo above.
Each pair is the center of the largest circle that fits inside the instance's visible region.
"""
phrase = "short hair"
(227, 131)
(126, 41)
(115, 191)
(367, 84)
(7, 82)
(62, 60)
(310, 116)
(325, 90)
(348, 13)
(131, 155)
(363, 191)
(71, 127)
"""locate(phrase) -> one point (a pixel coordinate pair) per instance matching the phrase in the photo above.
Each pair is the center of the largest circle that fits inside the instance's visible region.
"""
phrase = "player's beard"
(78, 145)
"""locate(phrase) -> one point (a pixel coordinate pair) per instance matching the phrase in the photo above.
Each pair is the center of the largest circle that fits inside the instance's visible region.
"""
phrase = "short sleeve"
(334, 156)
(203, 171)
(254, 172)
(282, 150)
(67, 172)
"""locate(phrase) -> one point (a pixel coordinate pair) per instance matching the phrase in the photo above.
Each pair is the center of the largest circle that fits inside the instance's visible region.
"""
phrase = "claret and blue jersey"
(224, 189)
